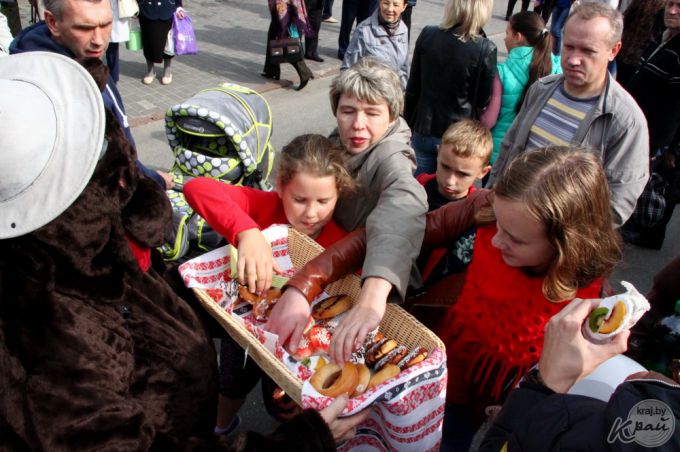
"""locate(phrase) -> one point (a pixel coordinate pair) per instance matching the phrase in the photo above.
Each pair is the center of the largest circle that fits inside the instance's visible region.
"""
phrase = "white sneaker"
(331, 20)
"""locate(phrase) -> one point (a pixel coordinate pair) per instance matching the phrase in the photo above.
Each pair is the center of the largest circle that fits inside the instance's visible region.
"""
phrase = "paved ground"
(232, 40)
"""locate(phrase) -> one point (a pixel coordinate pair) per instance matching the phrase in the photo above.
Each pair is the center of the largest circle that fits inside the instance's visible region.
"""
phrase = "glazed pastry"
(380, 350)
(262, 306)
(380, 377)
(331, 306)
(332, 380)
(364, 378)
(414, 357)
(393, 357)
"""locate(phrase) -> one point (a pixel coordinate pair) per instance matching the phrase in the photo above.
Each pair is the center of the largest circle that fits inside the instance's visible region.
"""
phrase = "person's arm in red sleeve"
(230, 209)
(238, 214)
(490, 114)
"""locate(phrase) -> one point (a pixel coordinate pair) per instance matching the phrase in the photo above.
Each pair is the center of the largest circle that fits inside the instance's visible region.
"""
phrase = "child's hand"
(363, 318)
(289, 318)
(342, 428)
(255, 265)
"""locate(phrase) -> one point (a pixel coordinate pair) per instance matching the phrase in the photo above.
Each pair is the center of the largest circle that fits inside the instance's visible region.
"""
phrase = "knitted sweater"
(494, 331)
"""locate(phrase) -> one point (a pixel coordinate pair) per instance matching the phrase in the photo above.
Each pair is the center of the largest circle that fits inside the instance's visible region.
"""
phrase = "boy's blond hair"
(469, 138)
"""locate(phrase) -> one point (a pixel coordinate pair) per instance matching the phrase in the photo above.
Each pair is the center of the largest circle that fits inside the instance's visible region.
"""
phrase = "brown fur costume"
(94, 352)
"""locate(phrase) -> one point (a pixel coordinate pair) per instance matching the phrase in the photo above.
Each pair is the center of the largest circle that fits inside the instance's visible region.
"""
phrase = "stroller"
(222, 133)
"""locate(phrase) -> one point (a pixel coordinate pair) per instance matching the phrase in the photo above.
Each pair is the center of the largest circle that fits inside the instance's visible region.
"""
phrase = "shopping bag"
(183, 36)
(286, 50)
(135, 41)
(127, 8)
(651, 205)
(169, 49)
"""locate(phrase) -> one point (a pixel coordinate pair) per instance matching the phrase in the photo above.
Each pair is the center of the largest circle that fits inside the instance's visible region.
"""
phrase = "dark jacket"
(97, 354)
(444, 73)
(655, 86)
(536, 419)
(158, 9)
(36, 38)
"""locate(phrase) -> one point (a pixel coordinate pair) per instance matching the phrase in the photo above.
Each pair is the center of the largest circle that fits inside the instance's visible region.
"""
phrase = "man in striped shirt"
(585, 106)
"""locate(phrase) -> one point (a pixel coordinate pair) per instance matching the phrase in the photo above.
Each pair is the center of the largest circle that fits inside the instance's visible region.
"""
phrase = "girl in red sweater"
(310, 177)
(553, 239)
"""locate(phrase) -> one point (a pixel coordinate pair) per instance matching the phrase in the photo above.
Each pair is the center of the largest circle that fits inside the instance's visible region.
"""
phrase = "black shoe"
(314, 58)
(341, 56)
(303, 83)
(272, 76)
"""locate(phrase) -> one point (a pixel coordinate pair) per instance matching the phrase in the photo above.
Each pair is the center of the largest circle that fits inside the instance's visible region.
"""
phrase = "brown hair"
(565, 188)
(313, 154)
(469, 138)
(642, 21)
(532, 27)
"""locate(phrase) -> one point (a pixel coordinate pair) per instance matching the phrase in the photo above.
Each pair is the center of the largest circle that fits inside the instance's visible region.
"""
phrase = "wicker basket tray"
(396, 324)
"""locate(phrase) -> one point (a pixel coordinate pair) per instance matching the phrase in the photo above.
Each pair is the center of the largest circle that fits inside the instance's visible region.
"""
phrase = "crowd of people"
(490, 199)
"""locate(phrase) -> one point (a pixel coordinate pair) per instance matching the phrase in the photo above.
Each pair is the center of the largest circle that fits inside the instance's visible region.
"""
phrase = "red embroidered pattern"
(201, 266)
(373, 425)
(410, 428)
(416, 397)
(283, 241)
(215, 293)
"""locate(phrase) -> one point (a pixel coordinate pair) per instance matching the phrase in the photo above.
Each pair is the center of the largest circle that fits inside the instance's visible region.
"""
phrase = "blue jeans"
(559, 17)
(426, 152)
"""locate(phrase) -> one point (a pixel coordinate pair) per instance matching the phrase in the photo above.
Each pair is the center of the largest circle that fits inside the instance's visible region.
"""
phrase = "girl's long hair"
(566, 189)
(532, 27)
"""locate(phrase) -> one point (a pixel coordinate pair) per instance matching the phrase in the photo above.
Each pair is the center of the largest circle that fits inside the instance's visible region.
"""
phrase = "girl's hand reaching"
(255, 265)
(289, 318)
(364, 317)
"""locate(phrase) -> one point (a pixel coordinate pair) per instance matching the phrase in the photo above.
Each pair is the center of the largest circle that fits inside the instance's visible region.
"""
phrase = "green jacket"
(514, 75)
